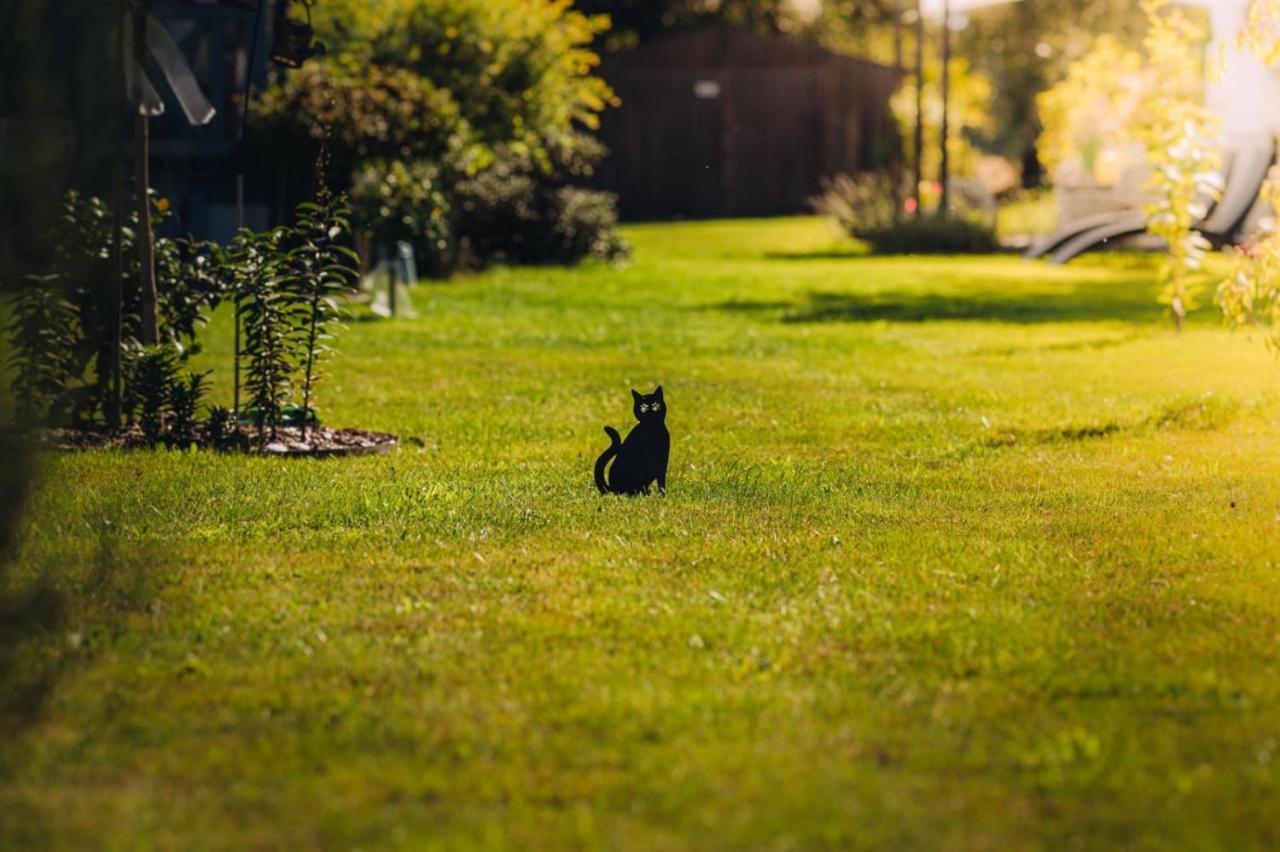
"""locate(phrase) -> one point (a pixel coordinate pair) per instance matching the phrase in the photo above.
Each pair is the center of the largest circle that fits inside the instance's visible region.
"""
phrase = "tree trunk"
(896, 191)
(117, 249)
(918, 138)
(944, 176)
(150, 332)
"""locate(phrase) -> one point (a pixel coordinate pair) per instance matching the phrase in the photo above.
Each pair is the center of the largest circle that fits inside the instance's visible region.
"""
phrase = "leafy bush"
(932, 235)
(863, 206)
(362, 112)
(516, 211)
(586, 225)
(222, 431)
(185, 395)
(1180, 136)
(396, 200)
(188, 282)
(42, 331)
(1091, 112)
(520, 70)
(151, 372)
(858, 204)
(455, 125)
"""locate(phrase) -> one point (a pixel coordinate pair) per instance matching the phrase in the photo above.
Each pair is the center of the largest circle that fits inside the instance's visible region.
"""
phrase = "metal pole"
(944, 170)
(919, 134)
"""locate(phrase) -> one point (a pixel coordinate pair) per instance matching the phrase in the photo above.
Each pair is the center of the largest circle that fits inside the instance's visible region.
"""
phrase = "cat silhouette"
(641, 459)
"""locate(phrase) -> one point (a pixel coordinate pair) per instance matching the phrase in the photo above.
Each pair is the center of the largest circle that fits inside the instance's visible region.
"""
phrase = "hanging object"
(173, 66)
(293, 41)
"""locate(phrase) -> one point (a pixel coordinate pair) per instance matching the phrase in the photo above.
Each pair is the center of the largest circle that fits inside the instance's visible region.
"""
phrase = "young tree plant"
(1179, 134)
(269, 314)
(320, 270)
(1250, 296)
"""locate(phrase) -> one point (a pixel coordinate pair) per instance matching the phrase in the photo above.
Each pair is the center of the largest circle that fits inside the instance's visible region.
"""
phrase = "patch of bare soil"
(287, 442)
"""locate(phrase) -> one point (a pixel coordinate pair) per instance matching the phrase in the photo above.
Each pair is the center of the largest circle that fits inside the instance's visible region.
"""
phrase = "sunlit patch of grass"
(862, 616)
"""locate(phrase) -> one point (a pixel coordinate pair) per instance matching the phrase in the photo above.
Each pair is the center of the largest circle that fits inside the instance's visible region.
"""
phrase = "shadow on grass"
(1091, 301)
(825, 254)
(52, 616)
(1206, 414)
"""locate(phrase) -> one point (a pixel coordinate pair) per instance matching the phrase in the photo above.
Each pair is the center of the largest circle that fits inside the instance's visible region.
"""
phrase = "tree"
(1021, 47)
(518, 71)
(1179, 132)
(1250, 295)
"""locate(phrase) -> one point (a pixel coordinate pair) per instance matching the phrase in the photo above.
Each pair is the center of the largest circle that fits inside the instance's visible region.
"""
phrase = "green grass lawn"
(957, 553)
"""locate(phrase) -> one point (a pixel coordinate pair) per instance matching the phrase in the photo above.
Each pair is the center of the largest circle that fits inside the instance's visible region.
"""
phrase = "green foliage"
(428, 105)
(863, 207)
(320, 269)
(1250, 294)
(1179, 134)
(188, 280)
(364, 112)
(859, 204)
(287, 283)
(268, 313)
(397, 200)
(968, 111)
(519, 69)
(1092, 111)
(185, 395)
(1023, 48)
(515, 211)
(222, 430)
(422, 79)
(585, 225)
(42, 338)
(151, 374)
(1261, 32)
(932, 234)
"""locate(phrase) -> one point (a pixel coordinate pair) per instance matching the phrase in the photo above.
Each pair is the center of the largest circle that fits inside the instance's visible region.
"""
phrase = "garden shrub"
(362, 113)
(151, 373)
(859, 204)
(520, 70)
(395, 201)
(285, 284)
(42, 332)
(863, 207)
(79, 286)
(520, 211)
(586, 226)
(455, 126)
(933, 234)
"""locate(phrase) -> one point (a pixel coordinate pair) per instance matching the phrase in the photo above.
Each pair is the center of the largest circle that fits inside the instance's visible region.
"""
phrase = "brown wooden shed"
(723, 122)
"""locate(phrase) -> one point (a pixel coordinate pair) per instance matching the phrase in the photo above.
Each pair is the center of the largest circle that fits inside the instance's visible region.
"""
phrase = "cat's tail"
(615, 443)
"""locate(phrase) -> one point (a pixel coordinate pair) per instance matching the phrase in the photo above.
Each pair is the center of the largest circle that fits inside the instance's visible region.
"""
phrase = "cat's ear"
(658, 392)
(636, 394)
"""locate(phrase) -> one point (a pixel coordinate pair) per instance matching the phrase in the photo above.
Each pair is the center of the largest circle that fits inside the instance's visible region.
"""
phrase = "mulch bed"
(321, 441)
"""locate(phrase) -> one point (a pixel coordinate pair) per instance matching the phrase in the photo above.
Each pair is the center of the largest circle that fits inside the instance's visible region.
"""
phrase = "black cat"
(642, 458)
